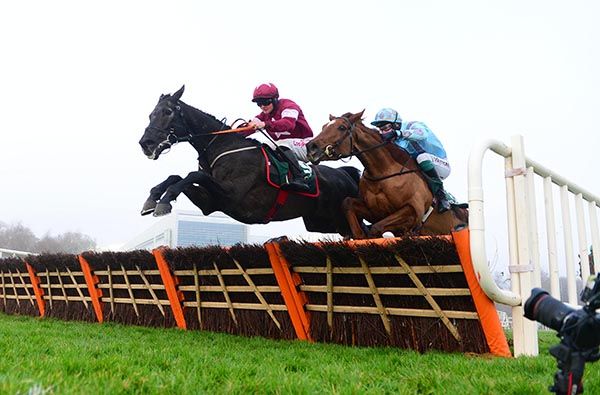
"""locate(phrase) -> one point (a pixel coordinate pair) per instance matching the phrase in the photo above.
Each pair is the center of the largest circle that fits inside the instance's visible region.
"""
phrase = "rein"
(400, 173)
(349, 133)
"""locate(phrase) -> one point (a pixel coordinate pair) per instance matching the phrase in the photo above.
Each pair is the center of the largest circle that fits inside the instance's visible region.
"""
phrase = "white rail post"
(526, 341)
(477, 224)
(568, 236)
(595, 236)
(551, 237)
(534, 244)
(584, 260)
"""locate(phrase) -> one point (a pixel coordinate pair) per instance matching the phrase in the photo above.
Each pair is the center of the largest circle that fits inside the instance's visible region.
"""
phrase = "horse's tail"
(353, 172)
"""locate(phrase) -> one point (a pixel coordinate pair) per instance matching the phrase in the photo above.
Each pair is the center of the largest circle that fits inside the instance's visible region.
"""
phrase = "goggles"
(386, 127)
(263, 102)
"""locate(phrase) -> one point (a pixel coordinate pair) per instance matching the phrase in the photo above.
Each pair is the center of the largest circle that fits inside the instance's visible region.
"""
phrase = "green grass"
(51, 356)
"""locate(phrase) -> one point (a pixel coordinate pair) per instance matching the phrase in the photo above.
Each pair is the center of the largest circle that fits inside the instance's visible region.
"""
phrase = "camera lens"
(542, 307)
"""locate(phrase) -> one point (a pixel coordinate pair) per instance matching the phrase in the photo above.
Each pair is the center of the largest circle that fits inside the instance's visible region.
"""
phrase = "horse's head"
(167, 126)
(335, 140)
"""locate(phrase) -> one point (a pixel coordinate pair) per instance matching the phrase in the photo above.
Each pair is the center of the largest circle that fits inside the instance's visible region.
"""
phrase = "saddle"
(277, 172)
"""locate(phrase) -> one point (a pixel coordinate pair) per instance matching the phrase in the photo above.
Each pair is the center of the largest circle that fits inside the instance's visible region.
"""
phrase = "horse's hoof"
(149, 206)
(162, 209)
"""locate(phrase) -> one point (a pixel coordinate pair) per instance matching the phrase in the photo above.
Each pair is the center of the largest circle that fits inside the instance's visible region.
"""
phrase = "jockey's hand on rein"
(256, 123)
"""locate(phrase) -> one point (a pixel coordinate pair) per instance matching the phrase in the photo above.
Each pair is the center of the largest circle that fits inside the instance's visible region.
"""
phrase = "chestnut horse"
(394, 195)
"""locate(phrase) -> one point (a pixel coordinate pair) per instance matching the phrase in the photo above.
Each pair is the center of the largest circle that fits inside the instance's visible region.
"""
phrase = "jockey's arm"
(287, 123)
(281, 125)
(414, 132)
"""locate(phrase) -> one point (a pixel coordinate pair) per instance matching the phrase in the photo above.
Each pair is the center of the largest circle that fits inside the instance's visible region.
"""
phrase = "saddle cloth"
(277, 172)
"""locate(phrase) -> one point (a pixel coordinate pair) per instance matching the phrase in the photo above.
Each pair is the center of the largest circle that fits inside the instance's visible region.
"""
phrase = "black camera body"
(578, 329)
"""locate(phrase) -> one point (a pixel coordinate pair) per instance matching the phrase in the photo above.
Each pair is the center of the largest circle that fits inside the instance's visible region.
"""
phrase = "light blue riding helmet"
(387, 115)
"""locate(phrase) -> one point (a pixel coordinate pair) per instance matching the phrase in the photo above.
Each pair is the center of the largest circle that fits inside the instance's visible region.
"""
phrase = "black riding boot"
(437, 187)
(443, 204)
(297, 183)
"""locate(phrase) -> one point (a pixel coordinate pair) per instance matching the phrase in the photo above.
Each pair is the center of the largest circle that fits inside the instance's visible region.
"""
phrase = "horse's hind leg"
(157, 192)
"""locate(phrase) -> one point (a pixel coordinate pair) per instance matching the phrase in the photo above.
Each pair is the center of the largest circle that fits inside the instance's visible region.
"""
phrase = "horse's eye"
(342, 128)
(168, 112)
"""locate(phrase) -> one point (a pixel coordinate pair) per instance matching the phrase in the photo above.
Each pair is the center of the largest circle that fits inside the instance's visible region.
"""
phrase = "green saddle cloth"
(279, 169)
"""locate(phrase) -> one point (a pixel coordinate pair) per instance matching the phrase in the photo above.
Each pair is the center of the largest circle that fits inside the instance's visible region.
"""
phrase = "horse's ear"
(331, 117)
(356, 117)
(177, 95)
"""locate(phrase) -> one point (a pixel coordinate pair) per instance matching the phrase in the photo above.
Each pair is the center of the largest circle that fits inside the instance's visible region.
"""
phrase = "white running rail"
(523, 234)
(6, 253)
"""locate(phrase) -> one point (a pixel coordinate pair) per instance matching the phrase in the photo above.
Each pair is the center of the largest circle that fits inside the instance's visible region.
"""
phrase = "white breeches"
(442, 167)
(298, 146)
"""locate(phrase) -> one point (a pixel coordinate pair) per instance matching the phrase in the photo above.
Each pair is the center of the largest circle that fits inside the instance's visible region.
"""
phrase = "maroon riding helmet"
(265, 91)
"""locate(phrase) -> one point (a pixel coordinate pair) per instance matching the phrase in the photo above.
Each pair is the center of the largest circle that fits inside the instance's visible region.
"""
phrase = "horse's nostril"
(145, 142)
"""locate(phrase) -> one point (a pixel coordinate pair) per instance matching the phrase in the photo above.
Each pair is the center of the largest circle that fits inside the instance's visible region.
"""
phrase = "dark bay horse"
(232, 177)
(394, 195)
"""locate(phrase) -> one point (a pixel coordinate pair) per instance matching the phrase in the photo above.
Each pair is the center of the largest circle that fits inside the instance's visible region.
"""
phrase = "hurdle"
(417, 293)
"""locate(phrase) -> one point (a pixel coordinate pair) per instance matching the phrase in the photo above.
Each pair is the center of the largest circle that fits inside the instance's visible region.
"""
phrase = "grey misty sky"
(80, 78)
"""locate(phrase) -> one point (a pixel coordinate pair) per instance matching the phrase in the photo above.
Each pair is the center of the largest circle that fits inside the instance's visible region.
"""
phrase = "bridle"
(179, 123)
(172, 137)
(329, 151)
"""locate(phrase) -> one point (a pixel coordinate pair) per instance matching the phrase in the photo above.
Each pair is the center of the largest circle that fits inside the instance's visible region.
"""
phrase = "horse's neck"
(210, 146)
(200, 122)
(380, 161)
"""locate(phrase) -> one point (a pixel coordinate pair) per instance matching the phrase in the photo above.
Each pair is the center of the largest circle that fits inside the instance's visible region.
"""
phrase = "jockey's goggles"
(386, 127)
(263, 102)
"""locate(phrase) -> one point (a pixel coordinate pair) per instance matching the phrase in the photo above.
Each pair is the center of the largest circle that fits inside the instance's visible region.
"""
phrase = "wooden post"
(225, 294)
(198, 301)
(170, 282)
(130, 291)
(92, 281)
(78, 289)
(259, 296)
(380, 307)
(24, 287)
(37, 290)
(329, 293)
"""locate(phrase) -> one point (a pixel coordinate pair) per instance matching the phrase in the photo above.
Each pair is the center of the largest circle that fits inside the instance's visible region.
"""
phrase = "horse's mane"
(205, 114)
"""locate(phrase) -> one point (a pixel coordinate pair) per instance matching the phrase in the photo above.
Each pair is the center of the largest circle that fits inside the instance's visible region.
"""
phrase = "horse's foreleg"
(401, 221)
(210, 184)
(355, 211)
(157, 192)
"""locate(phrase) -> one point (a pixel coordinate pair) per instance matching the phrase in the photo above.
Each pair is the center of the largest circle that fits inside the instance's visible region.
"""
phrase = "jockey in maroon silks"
(284, 122)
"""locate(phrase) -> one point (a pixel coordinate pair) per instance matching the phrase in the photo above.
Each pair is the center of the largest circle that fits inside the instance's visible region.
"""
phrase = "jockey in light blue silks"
(422, 145)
